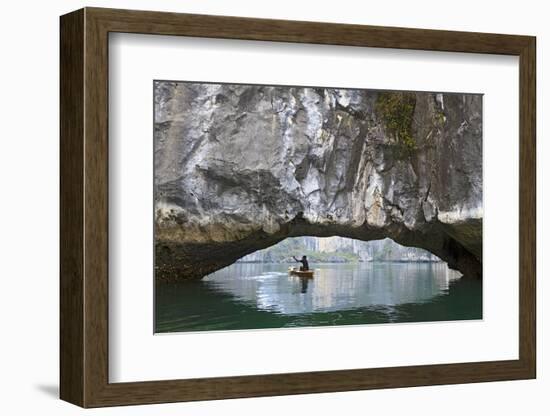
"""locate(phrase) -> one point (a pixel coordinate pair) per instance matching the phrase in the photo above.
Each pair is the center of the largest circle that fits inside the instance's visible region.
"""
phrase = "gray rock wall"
(239, 168)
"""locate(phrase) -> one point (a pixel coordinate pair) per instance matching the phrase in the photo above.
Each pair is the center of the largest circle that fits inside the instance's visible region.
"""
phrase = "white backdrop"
(29, 212)
(136, 355)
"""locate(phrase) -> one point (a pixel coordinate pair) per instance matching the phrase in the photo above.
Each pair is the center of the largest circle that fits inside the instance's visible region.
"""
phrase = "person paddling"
(305, 264)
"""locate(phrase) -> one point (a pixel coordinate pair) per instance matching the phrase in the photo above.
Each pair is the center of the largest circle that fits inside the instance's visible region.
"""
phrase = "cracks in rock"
(428, 191)
(239, 118)
(301, 170)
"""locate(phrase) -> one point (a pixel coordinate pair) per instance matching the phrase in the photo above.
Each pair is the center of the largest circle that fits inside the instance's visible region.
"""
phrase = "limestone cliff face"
(239, 168)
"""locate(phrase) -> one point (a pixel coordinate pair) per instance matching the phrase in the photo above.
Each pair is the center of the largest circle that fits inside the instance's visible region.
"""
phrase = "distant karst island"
(339, 250)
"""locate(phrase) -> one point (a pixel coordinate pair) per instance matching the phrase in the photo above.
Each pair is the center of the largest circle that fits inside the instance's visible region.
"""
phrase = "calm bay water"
(252, 296)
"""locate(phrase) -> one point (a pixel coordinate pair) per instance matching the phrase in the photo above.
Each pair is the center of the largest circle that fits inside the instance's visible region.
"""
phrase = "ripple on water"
(265, 296)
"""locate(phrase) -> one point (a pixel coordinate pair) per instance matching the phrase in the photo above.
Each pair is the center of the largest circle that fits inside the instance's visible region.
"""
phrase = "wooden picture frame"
(84, 207)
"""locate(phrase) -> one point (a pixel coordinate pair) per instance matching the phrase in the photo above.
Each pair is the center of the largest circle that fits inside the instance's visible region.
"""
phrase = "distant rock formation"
(239, 168)
(339, 250)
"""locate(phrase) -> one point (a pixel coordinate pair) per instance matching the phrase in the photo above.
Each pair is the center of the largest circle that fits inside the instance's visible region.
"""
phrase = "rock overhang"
(239, 168)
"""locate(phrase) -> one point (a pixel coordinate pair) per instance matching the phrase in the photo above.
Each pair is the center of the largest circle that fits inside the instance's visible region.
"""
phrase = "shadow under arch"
(459, 245)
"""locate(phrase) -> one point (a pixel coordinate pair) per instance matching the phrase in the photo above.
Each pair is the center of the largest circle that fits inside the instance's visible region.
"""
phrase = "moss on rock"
(396, 109)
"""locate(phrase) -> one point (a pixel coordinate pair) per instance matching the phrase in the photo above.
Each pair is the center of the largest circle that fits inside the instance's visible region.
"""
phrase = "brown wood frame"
(84, 207)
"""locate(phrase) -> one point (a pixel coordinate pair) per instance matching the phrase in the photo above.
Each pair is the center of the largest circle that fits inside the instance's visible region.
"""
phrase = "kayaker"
(305, 264)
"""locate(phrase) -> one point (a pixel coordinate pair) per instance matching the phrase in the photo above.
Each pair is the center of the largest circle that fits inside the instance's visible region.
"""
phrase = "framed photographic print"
(255, 207)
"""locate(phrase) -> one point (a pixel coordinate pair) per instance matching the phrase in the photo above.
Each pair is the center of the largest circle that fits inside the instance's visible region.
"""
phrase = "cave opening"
(336, 249)
(324, 253)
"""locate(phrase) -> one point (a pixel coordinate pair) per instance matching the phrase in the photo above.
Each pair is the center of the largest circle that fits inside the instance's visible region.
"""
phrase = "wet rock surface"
(239, 168)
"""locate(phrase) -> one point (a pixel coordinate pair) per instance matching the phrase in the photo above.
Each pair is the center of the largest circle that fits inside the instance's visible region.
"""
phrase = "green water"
(253, 296)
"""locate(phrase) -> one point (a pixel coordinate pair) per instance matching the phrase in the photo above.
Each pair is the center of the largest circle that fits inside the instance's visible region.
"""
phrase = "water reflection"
(247, 295)
(334, 287)
(304, 282)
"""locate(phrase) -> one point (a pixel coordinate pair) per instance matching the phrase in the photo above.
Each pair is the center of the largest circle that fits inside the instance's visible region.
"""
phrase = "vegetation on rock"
(396, 110)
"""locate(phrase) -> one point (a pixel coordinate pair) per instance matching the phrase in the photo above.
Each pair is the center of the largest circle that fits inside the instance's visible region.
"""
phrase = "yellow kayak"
(301, 273)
